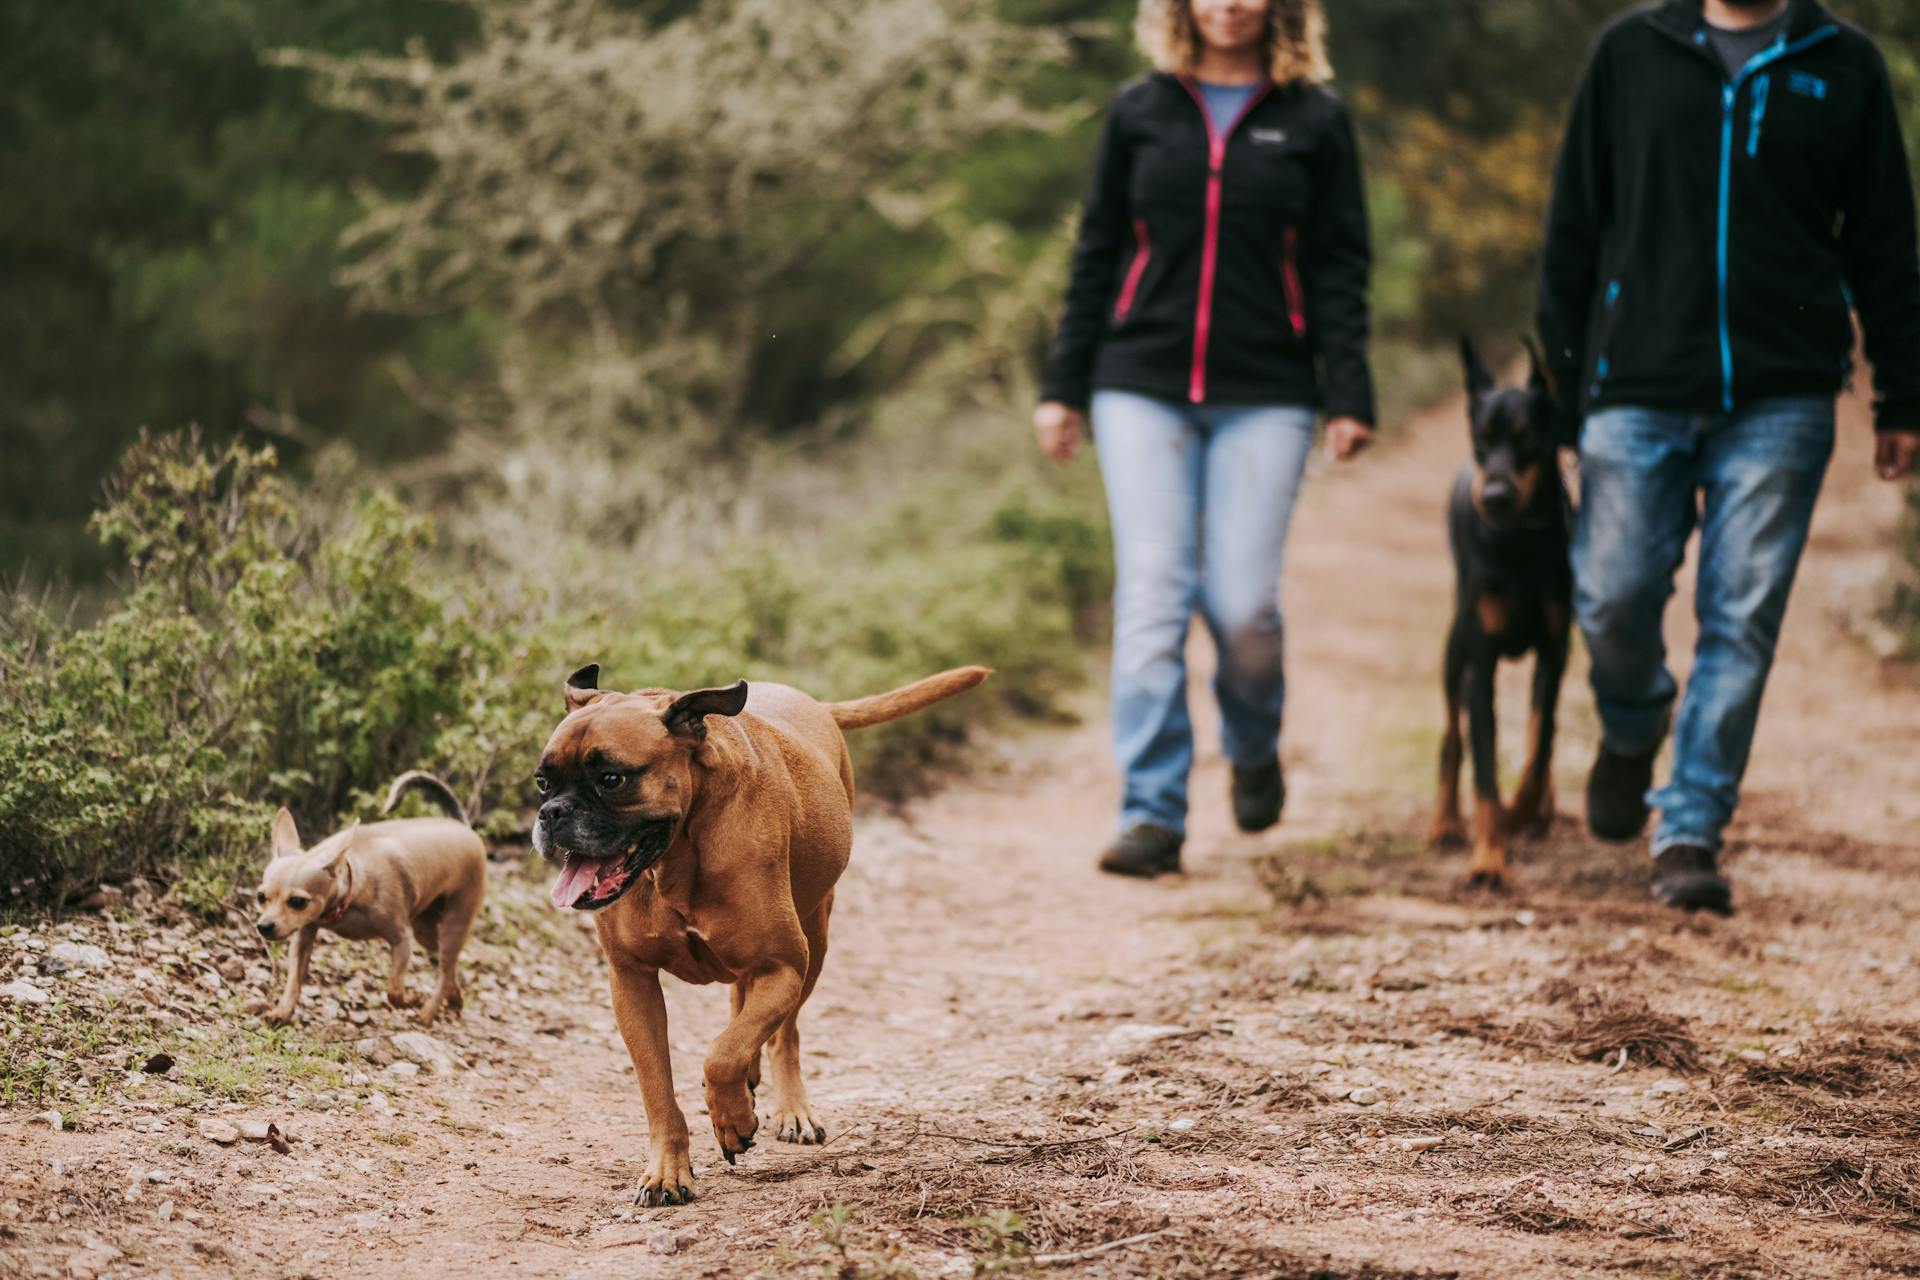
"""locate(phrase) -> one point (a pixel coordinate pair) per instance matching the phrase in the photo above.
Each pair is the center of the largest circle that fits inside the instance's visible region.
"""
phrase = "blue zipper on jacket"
(1728, 97)
(1760, 88)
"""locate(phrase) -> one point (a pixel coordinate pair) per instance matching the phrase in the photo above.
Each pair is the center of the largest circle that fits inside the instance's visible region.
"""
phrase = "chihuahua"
(378, 881)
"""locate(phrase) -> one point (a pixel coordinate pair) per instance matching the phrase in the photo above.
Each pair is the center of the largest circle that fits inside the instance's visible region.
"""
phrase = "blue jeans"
(1647, 477)
(1200, 498)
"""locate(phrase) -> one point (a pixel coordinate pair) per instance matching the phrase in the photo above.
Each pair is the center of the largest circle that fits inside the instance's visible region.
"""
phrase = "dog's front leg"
(299, 952)
(1488, 869)
(1447, 829)
(772, 996)
(1533, 798)
(641, 1012)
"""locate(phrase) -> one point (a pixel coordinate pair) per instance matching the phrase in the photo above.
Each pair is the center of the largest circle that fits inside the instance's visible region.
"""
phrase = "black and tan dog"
(1508, 525)
(708, 830)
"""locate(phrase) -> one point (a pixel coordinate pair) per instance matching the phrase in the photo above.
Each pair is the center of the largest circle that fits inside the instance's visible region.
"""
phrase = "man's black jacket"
(1709, 236)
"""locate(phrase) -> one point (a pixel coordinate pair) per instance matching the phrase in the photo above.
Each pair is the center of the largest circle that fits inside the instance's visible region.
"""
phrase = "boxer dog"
(707, 830)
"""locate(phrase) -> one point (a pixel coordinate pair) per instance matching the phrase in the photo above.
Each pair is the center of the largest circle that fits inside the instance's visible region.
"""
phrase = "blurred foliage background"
(693, 335)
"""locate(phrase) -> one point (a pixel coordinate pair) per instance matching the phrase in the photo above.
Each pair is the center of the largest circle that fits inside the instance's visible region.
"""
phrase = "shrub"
(260, 658)
(254, 660)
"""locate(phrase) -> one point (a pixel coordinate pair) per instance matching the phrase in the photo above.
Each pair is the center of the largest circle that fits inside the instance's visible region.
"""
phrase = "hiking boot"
(1617, 793)
(1688, 876)
(1258, 796)
(1145, 849)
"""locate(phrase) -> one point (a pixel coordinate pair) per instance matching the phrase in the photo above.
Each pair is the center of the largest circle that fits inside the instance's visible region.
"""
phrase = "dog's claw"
(820, 1133)
(728, 1155)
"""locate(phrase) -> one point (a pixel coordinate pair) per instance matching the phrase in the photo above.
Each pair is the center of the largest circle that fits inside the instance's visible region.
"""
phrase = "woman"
(1218, 297)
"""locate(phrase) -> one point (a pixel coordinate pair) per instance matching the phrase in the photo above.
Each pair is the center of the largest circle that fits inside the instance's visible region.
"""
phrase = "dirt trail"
(1271, 1039)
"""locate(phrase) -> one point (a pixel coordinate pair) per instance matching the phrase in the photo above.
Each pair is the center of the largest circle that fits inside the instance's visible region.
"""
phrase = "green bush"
(258, 658)
(253, 661)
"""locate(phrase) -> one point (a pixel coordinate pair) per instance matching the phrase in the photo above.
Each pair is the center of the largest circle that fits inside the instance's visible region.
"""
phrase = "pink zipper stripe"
(1142, 253)
(1210, 247)
(1296, 296)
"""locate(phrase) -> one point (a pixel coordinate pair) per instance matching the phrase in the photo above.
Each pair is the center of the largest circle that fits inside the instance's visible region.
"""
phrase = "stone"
(1417, 1145)
(79, 955)
(1135, 1035)
(664, 1242)
(23, 993)
(404, 1070)
(423, 1050)
(1364, 1097)
(223, 1132)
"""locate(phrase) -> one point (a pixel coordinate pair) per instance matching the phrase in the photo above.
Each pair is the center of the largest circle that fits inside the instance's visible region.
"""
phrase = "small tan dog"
(374, 882)
(708, 830)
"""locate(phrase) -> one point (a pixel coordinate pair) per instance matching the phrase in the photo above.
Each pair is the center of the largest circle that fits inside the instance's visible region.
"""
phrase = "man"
(1732, 185)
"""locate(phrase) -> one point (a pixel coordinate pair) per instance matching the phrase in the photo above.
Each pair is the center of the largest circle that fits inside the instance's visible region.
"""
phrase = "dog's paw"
(280, 1015)
(730, 1107)
(402, 999)
(1488, 880)
(796, 1124)
(668, 1180)
(1447, 832)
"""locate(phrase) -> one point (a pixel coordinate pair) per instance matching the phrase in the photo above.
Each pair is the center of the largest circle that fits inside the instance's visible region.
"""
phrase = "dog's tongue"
(577, 877)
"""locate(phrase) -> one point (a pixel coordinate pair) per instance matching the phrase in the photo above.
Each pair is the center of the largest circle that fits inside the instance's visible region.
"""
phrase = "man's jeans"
(1200, 498)
(1647, 477)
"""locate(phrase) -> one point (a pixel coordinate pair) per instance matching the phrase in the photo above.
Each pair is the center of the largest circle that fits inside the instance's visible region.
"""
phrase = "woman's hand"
(1347, 438)
(1895, 453)
(1059, 427)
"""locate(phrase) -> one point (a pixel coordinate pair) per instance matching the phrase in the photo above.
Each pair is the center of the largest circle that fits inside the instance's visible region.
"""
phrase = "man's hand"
(1347, 438)
(1895, 453)
(1059, 428)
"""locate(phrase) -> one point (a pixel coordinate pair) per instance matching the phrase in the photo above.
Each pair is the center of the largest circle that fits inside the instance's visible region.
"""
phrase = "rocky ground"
(1313, 1055)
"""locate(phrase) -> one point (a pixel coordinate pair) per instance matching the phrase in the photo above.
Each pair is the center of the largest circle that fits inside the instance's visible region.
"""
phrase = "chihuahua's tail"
(426, 783)
(882, 707)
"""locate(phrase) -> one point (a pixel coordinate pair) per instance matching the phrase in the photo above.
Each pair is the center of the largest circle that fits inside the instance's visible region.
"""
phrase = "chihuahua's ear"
(1479, 380)
(286, 836)
(583, 686)
(1541, 377)
(342, 845)
(687, 717)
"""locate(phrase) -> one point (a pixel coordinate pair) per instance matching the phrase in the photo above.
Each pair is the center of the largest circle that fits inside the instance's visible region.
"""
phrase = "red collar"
(339, 908)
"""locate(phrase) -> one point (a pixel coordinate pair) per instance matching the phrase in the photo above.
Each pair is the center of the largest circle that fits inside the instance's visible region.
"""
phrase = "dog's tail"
(427, 784)
(882, 707)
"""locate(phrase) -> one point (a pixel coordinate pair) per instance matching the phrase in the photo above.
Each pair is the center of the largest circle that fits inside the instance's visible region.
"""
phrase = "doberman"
(1508, 523)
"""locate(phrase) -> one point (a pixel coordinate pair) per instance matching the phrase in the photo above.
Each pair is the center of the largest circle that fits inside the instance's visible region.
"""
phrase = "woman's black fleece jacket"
(1709, 235)
(1224, 266)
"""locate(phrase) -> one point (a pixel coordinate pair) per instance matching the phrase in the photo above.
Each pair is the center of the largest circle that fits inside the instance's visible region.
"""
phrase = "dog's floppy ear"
(1479, 380)
(286, 836)
(1541, 378)
(687, 716)
(583, 686)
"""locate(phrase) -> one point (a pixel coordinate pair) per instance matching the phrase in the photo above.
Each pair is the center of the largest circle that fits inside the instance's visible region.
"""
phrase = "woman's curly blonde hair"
(1296, 39)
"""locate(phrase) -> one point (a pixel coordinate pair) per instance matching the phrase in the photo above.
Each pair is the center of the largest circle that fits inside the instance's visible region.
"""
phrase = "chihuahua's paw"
(402, 999)
(280, 1015)
(730, 1107)
(1447, 832)
(796, 1124)
(668, 1179)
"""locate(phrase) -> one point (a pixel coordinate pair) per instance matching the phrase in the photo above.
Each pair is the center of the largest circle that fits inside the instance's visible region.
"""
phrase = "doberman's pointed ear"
(687, 717)
(1541, 377)
(1479, 380)
(583, 686)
